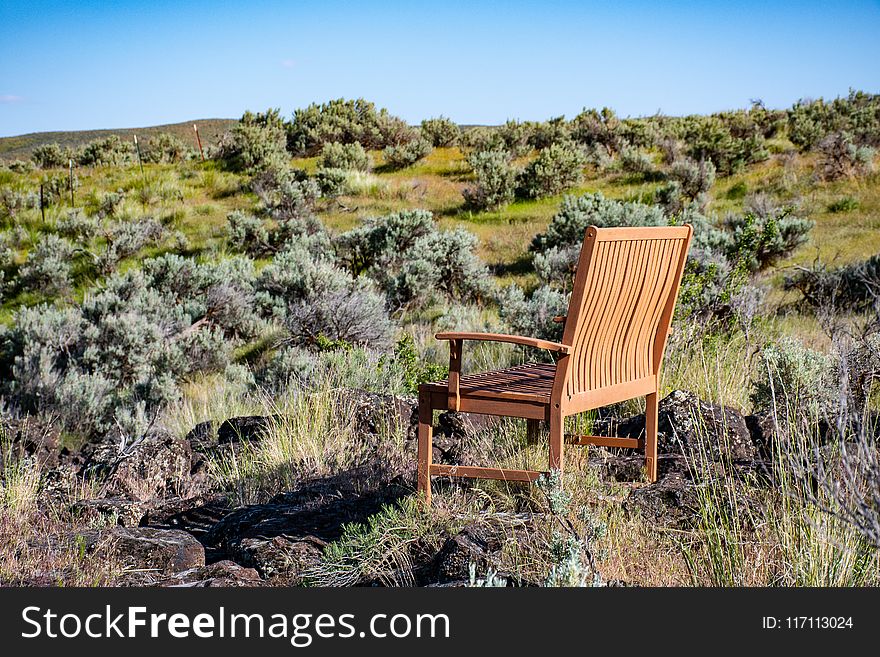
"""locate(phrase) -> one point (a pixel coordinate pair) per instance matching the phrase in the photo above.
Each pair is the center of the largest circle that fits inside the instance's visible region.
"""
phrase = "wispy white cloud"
(288, 63)
(8, 99)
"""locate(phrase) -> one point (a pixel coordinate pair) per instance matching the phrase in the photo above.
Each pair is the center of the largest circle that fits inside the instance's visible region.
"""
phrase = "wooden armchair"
(625, 288)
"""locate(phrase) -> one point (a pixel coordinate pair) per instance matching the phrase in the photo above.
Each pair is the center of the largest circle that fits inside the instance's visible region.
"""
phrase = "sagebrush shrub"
(256, 144)
(165, 147)
(49, 266)
(634, 161)
(533, 316)
(110, 150)
(343, 121)
(577, 213)
(407, 153)
(758, 242)
(442, 132)
(125, 238)
(557, 168)
(855, 286)
(840, 157)
(602, 128)
(313, 297)
(495, 180)
(547, 133)
(412, 260)
(695, 178)
(116, 359)
(51, 156)
(351, 157)
(795, 382)
(77, 227)
(517, 137)
(332, 182)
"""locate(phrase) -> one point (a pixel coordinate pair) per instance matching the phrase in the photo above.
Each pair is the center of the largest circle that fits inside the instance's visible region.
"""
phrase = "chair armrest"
(503, 337)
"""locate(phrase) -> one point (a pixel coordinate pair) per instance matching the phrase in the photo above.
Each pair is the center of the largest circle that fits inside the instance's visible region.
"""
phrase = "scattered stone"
(279, 557)
(201, 436)
(155, 467)
(248, 428)
(116, 510)
(687, 424)
(453, 561)
(147, 549)
(375, 414)
(220, 574)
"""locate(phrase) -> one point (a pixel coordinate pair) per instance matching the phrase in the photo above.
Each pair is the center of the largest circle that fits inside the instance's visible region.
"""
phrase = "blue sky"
(83, 65)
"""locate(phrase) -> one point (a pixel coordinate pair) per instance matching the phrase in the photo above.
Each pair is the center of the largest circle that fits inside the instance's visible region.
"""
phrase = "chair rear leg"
(556, 439)
(425, 454)
(651, 411)
(533, 431)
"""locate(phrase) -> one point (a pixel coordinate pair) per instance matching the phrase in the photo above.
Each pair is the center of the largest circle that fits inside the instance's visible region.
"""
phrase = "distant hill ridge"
(20, 147)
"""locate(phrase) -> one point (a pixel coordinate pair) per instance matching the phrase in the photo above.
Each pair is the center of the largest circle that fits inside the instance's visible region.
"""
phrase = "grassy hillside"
(20, 147)
(159, 303)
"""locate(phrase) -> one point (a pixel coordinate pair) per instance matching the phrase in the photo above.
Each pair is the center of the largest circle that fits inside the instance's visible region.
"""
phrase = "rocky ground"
(167, 526)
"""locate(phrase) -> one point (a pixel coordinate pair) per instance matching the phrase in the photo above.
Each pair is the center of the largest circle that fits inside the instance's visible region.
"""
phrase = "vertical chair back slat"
(621, 305)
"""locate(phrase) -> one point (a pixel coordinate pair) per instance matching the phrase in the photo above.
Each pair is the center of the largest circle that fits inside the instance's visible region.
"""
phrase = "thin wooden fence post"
(42, 203)
(199, 141)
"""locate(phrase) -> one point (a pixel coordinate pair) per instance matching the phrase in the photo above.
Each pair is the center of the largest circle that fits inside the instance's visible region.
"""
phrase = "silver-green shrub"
(256, 144)
(407, 153)
(49, 266)
(414, 262)
(351, 157)
(558, 167)
(441, 131)
(495, 180)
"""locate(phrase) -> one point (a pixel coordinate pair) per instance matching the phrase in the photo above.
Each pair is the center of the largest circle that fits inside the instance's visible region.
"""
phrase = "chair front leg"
(651, 413)
(426, 448)
(557, 438)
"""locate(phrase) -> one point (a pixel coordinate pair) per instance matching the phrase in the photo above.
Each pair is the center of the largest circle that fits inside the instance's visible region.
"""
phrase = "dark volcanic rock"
(245, 429)
(201, 436)
(195, 515)
(33, 438)
(372, 413)
(279, 556)
(118, 510)
(155, 467)
(689, 424)
(220, 574)
(671, 502)
(286, 534)
(147, 549)
(453, 561)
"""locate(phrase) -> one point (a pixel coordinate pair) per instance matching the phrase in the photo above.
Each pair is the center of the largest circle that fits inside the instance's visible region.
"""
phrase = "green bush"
(407, 153)
(165, 148)
(342, 121)
(49, 266)
(495, 180)
(840, 157)
(256, 144)
(844, 204)
(412, 261)
(557, 168)
(441, 132)
(51, 156)
(517, 137)
(577, 213)
(350, 157)
(77, 227)
(109, 151)
(809, 122)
